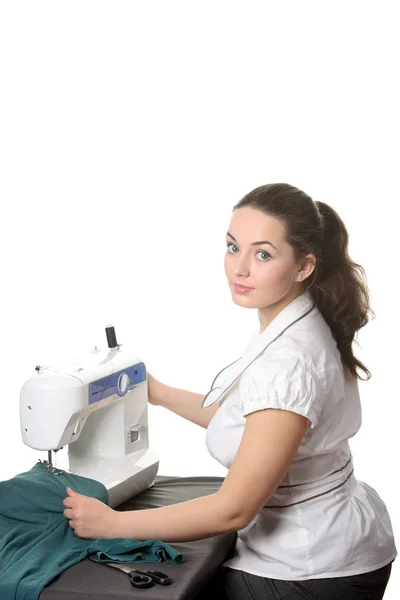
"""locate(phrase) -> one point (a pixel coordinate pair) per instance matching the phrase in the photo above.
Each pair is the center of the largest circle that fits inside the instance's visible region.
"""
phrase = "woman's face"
(259, 258)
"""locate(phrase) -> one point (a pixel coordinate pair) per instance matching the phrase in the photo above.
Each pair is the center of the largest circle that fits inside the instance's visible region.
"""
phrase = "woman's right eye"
(230, 245)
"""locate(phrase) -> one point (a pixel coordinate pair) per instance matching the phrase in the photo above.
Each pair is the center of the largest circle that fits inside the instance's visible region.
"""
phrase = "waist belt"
(306, 492)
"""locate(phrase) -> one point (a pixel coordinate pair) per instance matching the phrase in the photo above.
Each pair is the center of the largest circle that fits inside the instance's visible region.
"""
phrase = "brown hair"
(338, 284)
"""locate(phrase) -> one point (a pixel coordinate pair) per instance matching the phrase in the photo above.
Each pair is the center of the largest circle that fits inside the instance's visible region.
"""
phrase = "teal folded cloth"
(37, 543)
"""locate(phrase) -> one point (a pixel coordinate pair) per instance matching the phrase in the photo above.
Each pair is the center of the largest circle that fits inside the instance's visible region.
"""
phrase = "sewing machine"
(97, 406)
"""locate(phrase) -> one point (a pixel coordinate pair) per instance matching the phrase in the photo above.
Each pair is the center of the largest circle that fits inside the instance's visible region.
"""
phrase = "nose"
(241, 268)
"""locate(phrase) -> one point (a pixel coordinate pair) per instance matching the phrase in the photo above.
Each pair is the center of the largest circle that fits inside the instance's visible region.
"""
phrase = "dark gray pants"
(230, 584)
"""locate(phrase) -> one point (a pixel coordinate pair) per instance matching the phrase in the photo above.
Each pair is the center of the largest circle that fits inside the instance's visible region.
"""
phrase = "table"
(88, 580)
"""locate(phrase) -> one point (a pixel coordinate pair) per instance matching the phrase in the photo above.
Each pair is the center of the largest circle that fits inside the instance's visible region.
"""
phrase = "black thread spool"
(111, 337)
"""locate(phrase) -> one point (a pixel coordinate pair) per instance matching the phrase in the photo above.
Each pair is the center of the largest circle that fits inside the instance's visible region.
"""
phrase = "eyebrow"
(253, 243)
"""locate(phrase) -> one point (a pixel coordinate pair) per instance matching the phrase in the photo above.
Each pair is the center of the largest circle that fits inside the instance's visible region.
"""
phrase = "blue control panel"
(119, 383)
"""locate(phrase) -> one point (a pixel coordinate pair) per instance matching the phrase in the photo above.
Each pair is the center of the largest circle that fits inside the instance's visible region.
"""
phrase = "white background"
(128, 132)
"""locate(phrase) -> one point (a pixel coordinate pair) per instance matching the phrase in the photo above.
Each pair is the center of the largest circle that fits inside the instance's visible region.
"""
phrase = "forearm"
(187, 521)
(187, 405)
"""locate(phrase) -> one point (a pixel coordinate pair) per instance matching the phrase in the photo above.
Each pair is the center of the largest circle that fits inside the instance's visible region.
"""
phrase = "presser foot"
(48, 465)
(49, 468)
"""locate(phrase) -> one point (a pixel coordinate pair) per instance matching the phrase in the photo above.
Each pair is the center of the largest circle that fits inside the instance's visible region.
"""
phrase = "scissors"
(140, 579)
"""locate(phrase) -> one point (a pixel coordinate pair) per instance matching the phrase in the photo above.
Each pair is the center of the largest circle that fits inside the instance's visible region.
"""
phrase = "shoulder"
(282, 361)
(282, 379)
(311, 342)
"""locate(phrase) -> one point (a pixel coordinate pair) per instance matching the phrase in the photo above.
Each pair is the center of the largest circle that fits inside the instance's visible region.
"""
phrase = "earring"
(299, 277)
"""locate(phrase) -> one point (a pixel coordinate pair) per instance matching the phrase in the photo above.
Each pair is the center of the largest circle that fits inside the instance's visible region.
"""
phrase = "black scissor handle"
(155, 576)
(160, 578)
(139, 580)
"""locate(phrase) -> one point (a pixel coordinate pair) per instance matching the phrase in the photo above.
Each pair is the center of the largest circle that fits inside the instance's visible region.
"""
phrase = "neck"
(268, 313)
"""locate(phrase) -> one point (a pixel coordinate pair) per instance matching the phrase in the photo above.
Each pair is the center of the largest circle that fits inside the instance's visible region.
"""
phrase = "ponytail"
(339, 288)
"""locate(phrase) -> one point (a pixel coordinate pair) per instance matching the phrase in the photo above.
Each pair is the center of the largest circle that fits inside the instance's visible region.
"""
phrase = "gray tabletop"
(88, 580)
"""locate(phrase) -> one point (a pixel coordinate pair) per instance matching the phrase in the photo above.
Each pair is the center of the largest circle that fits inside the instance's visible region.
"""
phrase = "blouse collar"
(299, 308)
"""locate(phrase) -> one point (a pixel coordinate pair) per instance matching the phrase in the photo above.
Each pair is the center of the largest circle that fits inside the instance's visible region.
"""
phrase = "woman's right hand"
(154, 388)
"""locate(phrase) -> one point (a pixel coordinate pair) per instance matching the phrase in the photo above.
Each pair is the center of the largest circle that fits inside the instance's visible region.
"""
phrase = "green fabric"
(36, 542)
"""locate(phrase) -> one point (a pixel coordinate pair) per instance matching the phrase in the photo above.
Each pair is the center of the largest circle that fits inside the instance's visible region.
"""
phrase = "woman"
(280, 419)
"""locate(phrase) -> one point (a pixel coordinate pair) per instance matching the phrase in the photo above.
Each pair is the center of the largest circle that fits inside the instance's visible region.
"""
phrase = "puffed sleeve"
(281, 380)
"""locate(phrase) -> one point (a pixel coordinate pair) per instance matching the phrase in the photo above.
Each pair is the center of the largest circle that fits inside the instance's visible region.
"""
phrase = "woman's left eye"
(265, 253)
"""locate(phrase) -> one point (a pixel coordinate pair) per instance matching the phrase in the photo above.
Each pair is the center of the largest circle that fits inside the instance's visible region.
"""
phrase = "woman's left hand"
(89, 518)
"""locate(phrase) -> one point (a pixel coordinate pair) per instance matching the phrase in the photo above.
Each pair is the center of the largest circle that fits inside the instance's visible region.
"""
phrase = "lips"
(241, 288)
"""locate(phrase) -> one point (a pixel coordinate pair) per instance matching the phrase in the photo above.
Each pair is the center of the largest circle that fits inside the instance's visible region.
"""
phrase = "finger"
(68, 513)
(68, 502)
(73, 493)
(76, 529)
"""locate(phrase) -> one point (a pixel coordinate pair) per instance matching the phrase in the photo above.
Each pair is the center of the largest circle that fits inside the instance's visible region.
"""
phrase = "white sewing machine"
(97, 406)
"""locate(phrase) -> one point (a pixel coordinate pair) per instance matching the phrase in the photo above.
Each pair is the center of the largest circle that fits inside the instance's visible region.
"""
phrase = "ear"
(308, 265)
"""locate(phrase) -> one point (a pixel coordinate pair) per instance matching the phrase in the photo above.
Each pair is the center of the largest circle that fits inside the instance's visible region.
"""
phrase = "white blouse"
(321, 521)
